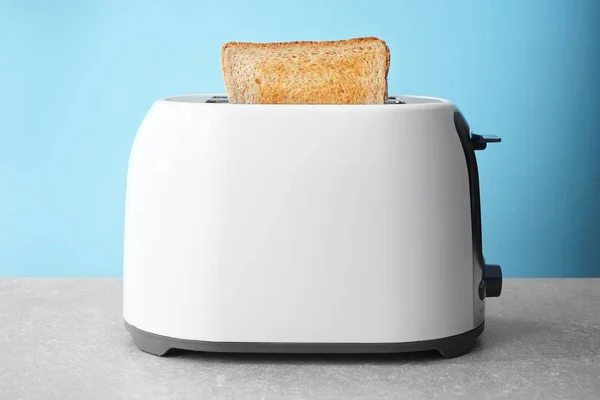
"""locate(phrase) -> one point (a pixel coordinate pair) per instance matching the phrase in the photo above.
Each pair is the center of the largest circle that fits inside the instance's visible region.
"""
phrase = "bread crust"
(351, 71)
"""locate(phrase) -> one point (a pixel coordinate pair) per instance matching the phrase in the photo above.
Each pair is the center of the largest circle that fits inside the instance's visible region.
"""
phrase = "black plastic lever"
(480, 141)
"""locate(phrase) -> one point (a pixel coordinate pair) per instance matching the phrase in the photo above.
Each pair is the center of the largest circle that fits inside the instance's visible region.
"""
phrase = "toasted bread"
(350, 71)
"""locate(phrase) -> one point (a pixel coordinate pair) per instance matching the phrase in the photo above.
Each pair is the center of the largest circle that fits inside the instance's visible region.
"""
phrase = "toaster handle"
(480, 141)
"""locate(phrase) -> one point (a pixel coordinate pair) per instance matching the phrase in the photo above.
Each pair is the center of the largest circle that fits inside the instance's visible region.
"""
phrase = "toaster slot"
(224, 99)
(218, 99)
(394, 100)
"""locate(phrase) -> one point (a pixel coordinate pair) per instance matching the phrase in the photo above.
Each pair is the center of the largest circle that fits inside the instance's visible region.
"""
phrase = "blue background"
(77, 77)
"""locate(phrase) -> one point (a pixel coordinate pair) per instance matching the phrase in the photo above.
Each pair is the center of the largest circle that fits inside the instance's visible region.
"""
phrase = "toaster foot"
(148, 342)
(458, 345)
(448, 347)
(456, 351)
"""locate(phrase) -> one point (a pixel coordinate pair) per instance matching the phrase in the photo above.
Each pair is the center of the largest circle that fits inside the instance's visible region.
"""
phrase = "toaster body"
(305, 228)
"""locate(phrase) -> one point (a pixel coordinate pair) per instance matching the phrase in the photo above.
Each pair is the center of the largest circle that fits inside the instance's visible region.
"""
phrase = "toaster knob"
(492, 275)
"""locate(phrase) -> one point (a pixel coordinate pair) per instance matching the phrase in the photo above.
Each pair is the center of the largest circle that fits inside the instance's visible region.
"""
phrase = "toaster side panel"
(464, 134)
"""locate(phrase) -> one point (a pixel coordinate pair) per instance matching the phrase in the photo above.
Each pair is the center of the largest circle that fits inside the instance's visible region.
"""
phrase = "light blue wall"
(76, 78)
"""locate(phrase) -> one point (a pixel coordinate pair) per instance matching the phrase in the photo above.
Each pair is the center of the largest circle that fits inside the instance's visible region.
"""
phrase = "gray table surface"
(64, 339)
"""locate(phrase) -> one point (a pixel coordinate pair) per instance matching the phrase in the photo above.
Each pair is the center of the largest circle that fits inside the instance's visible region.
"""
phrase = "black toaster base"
(448, 347)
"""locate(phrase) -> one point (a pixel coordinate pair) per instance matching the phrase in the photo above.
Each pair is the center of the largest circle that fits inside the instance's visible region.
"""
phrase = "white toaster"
(305, 228)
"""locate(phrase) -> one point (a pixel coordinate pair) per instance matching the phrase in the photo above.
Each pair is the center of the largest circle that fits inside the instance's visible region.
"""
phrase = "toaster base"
(448, 347)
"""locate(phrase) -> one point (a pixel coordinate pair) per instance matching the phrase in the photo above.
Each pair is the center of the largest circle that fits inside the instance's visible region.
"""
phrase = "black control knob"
(492, 275)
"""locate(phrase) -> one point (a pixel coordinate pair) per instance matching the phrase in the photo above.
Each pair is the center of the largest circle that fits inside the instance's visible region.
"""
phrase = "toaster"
(305, 228)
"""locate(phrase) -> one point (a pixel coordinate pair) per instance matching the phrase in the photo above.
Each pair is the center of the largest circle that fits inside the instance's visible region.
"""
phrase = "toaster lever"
(480, 141)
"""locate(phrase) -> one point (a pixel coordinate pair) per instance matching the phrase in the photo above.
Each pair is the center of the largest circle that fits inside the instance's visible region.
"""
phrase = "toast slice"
(352, 71)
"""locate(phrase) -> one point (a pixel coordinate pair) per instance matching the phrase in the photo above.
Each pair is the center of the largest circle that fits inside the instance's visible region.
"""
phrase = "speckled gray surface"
(64, 339)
